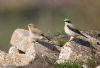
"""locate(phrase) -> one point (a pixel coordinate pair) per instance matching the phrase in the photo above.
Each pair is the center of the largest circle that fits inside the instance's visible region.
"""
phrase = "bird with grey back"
(71, 30)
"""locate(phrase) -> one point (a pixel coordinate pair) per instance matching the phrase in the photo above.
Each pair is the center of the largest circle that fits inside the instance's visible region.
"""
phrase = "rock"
(98, 67)
(5, 59)
(81, 49)
(20, 39)
(27, 53)
(84, 66)
(19, 59)
(64, 54)
(39, 53)
(14, 58)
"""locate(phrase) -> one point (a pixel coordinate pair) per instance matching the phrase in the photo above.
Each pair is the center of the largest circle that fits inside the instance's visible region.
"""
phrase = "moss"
(68, 64)
(78, 64)
(50, 37)
(61, 42)
(60, 33)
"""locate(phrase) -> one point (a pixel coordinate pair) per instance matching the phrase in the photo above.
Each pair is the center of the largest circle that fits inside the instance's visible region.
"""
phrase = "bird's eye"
(68, 21)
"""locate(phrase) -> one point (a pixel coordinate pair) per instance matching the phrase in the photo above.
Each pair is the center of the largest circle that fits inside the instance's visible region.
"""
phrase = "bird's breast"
(69, 32)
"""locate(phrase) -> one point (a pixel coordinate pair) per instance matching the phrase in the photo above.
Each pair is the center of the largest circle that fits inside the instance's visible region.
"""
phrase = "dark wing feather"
(75, 30)
(45, 36)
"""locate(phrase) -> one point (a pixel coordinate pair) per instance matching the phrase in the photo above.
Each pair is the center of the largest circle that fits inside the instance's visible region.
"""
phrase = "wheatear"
(34, 32)
(71, 30)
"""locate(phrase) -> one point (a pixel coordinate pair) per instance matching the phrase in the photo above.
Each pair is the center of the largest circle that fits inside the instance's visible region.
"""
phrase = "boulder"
(98, 67)
(20, 39)
(40, 53)
(5, 59)
(14, 58)
(20, 59)
(81, 49)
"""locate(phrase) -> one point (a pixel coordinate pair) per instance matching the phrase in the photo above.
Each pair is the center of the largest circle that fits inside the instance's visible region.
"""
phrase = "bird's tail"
(45, 36)
(83, 35)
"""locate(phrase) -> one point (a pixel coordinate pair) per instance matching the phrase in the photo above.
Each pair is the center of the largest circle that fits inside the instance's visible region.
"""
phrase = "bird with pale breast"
(71, 30)
(34, 32)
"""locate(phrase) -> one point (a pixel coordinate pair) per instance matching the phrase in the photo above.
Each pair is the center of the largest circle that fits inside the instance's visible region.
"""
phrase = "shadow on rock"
(49, 45)
(84, 43)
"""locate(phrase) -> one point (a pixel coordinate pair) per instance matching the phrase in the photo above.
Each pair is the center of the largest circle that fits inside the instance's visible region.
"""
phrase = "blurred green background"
(48, 15)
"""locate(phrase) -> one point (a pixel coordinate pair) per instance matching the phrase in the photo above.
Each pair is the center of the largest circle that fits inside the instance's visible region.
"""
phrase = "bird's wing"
(35, 31)
(75, 30)
(72, 26)
(45, 36)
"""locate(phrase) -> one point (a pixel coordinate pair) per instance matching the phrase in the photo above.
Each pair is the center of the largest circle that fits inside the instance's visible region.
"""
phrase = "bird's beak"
(65, 23)
(27, 26)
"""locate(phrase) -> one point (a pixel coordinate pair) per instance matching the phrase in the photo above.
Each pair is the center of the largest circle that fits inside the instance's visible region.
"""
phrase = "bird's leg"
(71, 38)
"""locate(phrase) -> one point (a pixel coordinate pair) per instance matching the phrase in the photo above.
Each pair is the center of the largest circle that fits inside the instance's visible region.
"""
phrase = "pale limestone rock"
(84, 66)
(5, 59)
(42, 52)
(64, 55)
(39, 53)
(80, 49)
(13, 50)
(31, 51)
(14, 58)
(98, 67)
(21, 59)
(20, 39)
(23, 41)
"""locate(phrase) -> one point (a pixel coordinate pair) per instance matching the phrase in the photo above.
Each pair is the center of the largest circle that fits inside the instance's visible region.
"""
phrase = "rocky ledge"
(25, 53)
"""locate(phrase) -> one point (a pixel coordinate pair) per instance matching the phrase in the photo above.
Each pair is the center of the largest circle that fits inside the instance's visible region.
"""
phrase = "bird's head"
(34, 32)
(67, 21)
(30, 25)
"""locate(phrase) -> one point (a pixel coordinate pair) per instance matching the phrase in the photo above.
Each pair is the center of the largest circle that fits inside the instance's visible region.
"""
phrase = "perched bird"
(34, 32)
(71, 30)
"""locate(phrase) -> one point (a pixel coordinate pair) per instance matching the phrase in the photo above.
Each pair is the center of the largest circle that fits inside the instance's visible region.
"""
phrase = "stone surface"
(14, 58)
(19, 59)
(98, 67)
(20, 39)
(40, 53)
(25, 53)
(5, 59)
(84, 66)
(81, 49)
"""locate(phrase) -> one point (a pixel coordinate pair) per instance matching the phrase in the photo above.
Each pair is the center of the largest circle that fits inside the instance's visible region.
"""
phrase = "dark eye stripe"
(68, 21)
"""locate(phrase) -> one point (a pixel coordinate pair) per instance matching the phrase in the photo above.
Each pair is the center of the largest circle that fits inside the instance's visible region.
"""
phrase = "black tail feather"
(83, 35)
(45, 36)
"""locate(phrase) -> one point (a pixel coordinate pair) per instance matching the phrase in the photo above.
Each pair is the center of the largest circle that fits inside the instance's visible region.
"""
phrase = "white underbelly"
(69, 32)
